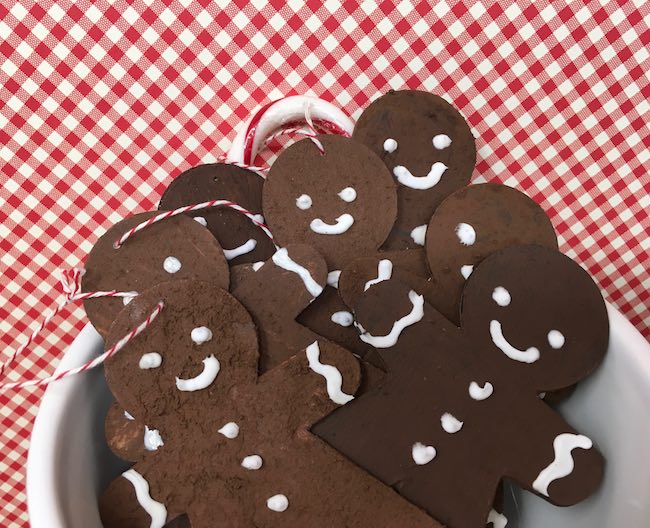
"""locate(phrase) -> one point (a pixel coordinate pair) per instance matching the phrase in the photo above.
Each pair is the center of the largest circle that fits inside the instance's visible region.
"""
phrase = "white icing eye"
(201, 220)
(303, 202)
(278, 503)
(348, 194)
(252, 462)
(466, 234)
(152, 439)
(556, 339)
(172, 265)
(201, 335)
(441, 141)
(390, 145)
(501, 296)
(150, 361)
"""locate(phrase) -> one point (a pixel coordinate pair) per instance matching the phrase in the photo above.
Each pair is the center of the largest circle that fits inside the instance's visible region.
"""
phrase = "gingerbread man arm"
(555, 461)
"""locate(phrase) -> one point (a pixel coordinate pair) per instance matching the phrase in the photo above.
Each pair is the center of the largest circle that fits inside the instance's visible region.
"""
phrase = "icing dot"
(152, 439)
(348, 194)
(150, 360)
(201, 220)
(390, 145)
(230, 430)
(257, 265)
(556, 339)
(466, 234)
(441, 141)
(201, 334)
(303, 202)
(333, 278)
(466, 270)
(128, 416)
(172, 265)
(252, 462)
(127, 300)
(278, 503)
(342, 318)
(422, 454)
(479, 393)
(450, 423)
(259, 218)
(501, 296)
(418, 234)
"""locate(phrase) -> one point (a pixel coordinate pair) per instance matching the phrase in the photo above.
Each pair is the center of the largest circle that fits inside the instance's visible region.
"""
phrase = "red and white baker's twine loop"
(71, 285)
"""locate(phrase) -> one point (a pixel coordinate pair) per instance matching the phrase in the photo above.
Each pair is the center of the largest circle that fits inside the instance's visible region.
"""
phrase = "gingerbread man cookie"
(235, 448)
(428, 148)
(459, 409)
(241, 240)
(173, 249)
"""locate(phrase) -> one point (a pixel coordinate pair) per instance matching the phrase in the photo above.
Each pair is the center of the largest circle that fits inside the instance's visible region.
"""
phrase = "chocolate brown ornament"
(342, 202)
(459, 409)
(428, 148)
(173, 249)
(237, 448)
(241, 240)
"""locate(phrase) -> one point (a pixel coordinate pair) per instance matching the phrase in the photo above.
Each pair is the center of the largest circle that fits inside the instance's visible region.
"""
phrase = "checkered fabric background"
(103, 103)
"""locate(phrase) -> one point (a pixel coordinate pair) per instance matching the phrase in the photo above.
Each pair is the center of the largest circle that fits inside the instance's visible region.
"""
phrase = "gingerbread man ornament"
(235, 448)
(459, 409)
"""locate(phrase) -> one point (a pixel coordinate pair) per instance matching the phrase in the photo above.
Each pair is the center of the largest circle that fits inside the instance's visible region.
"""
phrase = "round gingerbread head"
(241, 240)
(341, 201)
(540, 313)
(173, 249)
(428, 148)
(473, 223)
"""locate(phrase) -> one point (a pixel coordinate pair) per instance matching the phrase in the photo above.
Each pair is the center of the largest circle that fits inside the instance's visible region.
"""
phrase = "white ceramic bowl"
(69, 462)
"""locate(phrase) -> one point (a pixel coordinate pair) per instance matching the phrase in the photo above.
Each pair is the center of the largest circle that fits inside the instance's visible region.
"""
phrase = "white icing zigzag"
(246, 247)
(387, 341)
(384, 272)
(331, 374)
(282, 259)
(563, 463)
(155, 509)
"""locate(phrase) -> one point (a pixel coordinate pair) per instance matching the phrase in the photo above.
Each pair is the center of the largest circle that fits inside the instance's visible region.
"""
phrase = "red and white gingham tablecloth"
(102, 103)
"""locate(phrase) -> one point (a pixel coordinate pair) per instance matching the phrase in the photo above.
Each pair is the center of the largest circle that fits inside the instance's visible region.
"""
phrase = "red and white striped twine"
(260, 170)
(188, 209)
(71, 285)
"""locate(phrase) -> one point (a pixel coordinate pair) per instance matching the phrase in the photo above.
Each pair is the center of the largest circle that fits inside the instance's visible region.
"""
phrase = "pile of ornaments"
(372, 343)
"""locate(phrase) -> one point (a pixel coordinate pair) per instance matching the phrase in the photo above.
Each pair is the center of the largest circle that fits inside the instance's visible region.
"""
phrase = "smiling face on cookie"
(539, 313)
(342, 202)
(428, 148)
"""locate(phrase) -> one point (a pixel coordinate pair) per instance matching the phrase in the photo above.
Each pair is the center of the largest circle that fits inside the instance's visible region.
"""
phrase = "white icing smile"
(342, 224)
(529, 355)
(407, 179)
(246, 247)
(205, 379)
(389, 340)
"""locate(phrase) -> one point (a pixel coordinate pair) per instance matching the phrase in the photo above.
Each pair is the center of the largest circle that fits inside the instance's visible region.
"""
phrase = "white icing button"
(501, 296)
(278, 503)
(348, 195)
(342, 318)
(282, 259)
(333, 278)
(257, 265)
(555, 339)
(205, 379)
(230, 430)
(252, 462)
(172, 265)
(201, 334)
(441, 141)
(155, 509)
(332, 375)
(303, 202)
(418, 234)
(384, 272)
(422, 454)
(450, 423)
(466, 270)
(479, 393)
(529, 355)
(466, 234)
(563, 463)
(150, 360)
(152, 439)
(390, 145)
(342, 224)
(201, 220)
